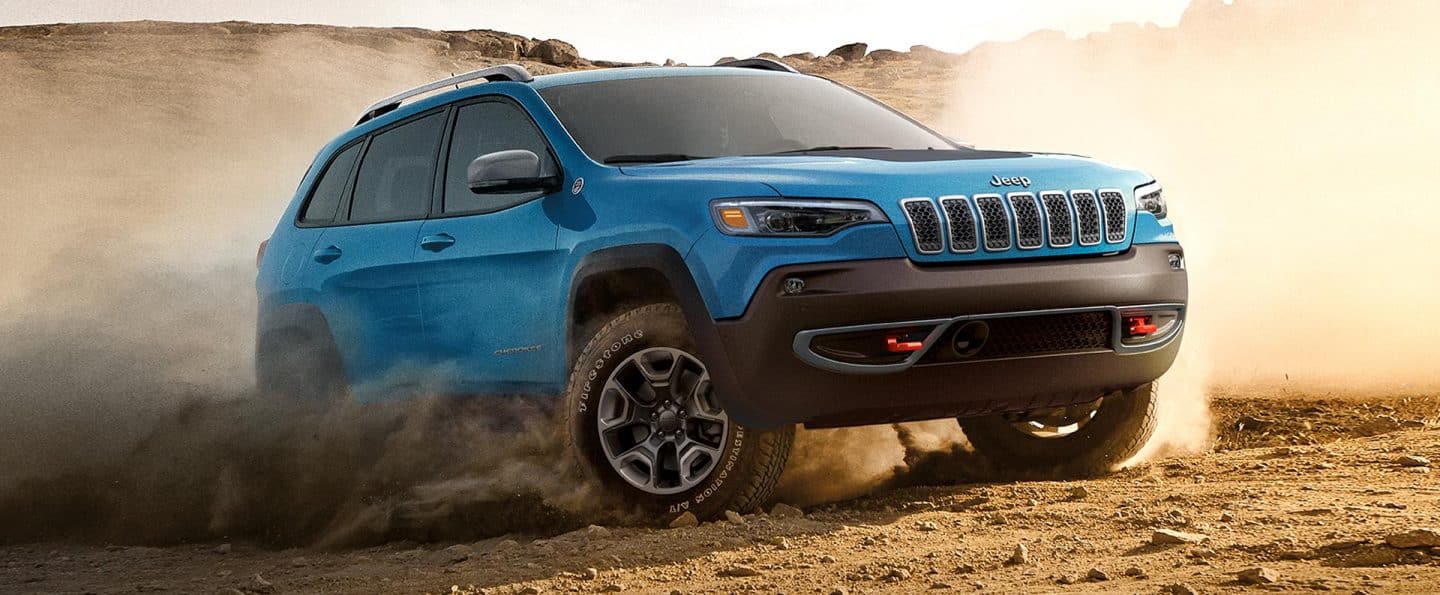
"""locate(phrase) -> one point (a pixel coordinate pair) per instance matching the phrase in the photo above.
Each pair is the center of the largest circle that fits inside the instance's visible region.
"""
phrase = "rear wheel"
(1083, 440)
(300, 366)
(647, 427)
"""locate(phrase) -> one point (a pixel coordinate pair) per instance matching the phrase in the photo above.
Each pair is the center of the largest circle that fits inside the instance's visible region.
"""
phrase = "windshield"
(651, 120)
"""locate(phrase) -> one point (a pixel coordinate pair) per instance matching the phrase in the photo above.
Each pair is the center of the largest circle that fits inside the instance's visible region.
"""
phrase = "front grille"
(994, 222)
(960, 218)
(1018, 220)
(924, 224)
(1058, 214)
(1087, 212)
(1023, 336)
(1028, 232)
(1114, 203)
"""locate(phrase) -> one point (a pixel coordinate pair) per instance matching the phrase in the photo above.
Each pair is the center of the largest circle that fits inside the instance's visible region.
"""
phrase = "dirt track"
(1298, 487)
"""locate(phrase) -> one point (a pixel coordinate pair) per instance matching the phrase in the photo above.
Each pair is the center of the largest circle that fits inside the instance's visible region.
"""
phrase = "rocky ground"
(1308, 493)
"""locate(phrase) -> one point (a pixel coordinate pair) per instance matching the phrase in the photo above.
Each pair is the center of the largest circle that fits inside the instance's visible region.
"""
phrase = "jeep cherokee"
(692, 261)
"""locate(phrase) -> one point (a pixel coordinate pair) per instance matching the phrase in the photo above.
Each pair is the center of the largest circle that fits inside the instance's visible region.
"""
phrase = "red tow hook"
(893, 344)
(1140, 326)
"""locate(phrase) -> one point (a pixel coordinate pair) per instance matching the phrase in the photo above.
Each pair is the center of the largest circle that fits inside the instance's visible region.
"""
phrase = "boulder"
(555, 52)
(850, 52)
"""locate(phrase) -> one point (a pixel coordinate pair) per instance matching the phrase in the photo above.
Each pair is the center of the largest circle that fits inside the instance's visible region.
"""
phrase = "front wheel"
(1084, 440)
(647, 427)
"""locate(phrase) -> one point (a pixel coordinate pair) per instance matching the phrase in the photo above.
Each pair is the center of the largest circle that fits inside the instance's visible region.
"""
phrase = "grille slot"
(994, 222)
(960, 219)
(1029, 228)
(1061, 219)
(1087, 216)
(924, 225)
(1115, 223)
(1047, 333)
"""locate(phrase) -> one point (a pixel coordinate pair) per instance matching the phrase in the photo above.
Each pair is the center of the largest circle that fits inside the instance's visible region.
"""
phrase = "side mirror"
(508, 171)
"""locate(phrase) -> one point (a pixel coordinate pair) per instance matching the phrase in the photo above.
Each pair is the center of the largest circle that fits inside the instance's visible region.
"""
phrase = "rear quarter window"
(325, 199)
(397, 174)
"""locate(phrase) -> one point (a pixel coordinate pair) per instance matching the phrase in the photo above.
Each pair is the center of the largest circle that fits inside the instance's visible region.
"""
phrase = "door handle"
(437, 242)
(327, 255)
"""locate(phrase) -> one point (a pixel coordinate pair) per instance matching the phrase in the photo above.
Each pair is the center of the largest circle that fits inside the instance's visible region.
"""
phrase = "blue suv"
(692, 261)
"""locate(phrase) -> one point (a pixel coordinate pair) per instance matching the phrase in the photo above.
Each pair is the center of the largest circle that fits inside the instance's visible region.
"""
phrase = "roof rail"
(507, 72)
(760, 64)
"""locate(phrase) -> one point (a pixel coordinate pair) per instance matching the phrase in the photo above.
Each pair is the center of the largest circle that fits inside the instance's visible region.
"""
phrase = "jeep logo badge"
(1016, 181)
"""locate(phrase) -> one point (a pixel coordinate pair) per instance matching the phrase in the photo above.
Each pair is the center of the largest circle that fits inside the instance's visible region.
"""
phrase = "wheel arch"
(651, 263)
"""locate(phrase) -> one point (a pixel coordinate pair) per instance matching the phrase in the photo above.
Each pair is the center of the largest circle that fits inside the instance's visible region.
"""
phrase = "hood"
(889, 179)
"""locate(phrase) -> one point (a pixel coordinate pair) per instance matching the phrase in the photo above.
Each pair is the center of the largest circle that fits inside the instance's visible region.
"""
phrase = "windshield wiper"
(824, 148)
(650, 158)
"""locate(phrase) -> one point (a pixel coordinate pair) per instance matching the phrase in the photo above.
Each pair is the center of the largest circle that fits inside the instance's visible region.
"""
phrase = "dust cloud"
(1296, 140)
(142, 171)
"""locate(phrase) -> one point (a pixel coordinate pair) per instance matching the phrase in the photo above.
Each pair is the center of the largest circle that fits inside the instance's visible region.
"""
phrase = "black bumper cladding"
(885, 340)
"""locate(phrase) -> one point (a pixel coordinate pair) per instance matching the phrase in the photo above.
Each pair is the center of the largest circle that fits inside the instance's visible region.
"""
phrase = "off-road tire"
(750, 461)
(1119, 429)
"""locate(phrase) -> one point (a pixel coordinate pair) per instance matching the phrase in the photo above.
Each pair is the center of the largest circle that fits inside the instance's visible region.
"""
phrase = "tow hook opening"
(1138, 328)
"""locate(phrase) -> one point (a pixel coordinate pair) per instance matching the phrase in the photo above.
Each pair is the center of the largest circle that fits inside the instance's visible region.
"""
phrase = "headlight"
(792, 217)
(1150, 198)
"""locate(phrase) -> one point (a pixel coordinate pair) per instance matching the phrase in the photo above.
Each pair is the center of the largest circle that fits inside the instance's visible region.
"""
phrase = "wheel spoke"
(699, 408)
(629, 409)
(691, 450)
(643, 452)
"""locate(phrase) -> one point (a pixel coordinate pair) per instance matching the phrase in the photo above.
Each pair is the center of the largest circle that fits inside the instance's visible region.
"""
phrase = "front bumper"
(766, 379)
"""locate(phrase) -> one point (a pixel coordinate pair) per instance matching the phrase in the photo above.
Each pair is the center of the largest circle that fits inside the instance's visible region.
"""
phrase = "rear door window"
(397, 174)
(325, 198)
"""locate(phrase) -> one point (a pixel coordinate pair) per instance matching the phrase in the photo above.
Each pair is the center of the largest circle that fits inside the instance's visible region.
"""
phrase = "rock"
(965, 569)
(850, 52)
(724, 60)
(1227, 517)
(767, 55)
(829, 61)
(897, 574)
(685, 520)
(734, 517)
(299, 562)
(786, 511)
(1021, 555)
(670, 62)
(258, 584)
(1412, 461)
(589, 574)
(223, 548)
(596, 531)
(1135, 572)
(554, 51)
(839, 591)
(1414, 538)
(926, 526)
(804, 56)
(938, 586)
(1079, 493)
(1068, 579)
(1258, 575)
(458, 553)
(827, 559)
(1095, 574)
(612, 588)
(738, 570)
(1171, 537)
(530, 590)
(888, 56)
(1179, 589)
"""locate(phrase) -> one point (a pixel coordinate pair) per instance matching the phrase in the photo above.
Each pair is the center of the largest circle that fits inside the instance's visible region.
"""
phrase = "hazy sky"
(638, 30)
